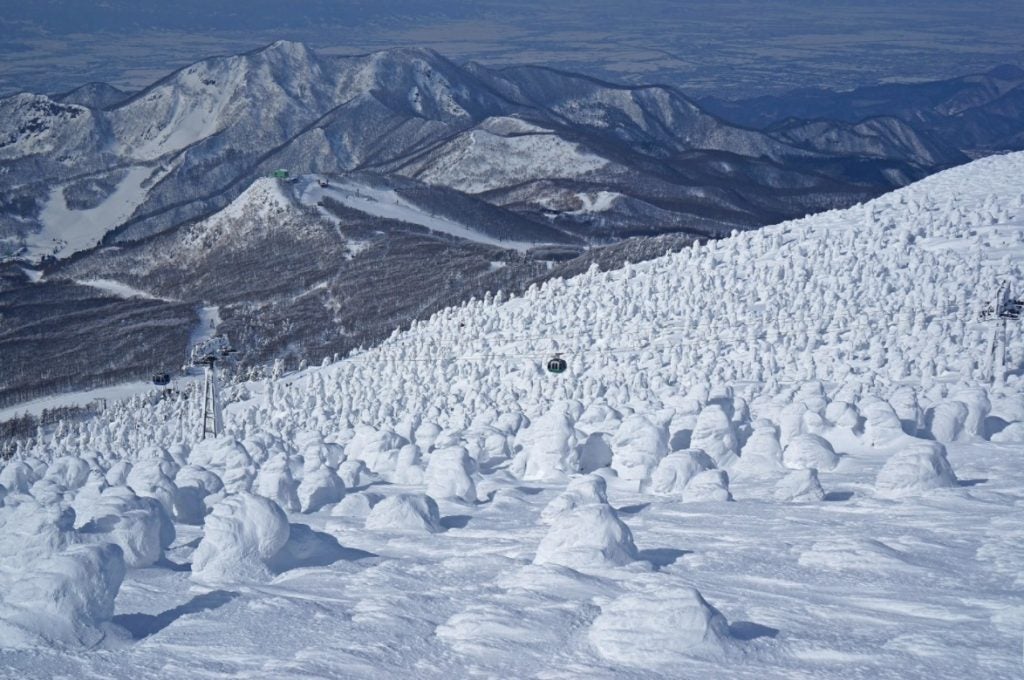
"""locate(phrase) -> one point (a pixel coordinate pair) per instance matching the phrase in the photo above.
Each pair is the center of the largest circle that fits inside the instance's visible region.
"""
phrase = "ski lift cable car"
(557, 364)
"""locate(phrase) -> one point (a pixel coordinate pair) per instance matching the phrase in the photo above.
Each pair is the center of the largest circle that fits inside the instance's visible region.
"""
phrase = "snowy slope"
(527, 137)
(481, 160)
(388, 204)
(217, 95)
(66, 231)
(797, 422)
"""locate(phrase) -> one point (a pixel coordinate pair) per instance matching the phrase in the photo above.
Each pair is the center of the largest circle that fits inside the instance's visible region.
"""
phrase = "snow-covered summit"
(261, 206)
(33, 124)
(261, 94)
(263, 198)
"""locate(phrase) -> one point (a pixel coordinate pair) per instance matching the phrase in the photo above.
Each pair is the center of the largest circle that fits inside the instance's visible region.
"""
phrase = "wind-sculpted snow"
(320, 487)
(139, 525)
(709, 485)
(56, 587)
(807, 451)
(918, 468)
(589, 536)
(241, 534)
(655, 629)
(405, 512)
(800, 485)
(805, 424)
(677, 469)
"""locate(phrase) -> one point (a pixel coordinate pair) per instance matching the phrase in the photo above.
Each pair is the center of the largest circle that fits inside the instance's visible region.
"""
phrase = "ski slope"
(208, 319)
(386, 203)
(122, 290)
(110, 393)
(66, 231)
(786, 454)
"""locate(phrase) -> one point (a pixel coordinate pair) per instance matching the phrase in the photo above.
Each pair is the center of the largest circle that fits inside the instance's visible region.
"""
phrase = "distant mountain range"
(588, 158)
(444, 181)
(977, 114)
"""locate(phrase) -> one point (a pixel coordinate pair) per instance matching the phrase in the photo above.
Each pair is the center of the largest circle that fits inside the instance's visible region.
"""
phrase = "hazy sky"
(729, 47)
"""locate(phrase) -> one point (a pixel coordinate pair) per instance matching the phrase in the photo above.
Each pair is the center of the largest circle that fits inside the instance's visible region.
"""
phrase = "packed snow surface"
(122, 290)
(82, 398)
(388, 204)
(67, 231)
(791, 453)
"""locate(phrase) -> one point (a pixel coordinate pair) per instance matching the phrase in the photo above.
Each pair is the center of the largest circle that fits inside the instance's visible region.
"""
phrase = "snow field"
(388, 204)
(76, 230)
(779, 455)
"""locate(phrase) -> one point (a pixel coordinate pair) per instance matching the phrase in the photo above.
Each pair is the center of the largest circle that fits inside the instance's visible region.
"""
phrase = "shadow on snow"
(662, 557)
(746, 630)
(144, 625)
(309, 548)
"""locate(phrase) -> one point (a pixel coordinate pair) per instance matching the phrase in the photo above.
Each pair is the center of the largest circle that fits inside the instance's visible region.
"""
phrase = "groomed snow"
(66, 231)
(830, 375)
(82, 398)
(388, 204)
(117, 288)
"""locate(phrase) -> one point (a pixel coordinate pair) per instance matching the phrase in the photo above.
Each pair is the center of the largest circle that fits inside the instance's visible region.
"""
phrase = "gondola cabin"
(557, 364)
(280, 174)
(162, 379)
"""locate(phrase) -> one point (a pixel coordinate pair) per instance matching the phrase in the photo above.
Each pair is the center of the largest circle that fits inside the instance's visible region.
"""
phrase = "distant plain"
(730, 48)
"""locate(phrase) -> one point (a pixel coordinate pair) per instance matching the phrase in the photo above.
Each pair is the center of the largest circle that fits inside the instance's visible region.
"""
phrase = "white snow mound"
(546, 450)
(715, 435)
(405, 512)
(53, 589)
(659, 628)
(809, 451)
(591, 536)
(637, 448)
(676, 470)
(800, 485)
(584, 490)
(918, 468)
(241, 533)
(139, 525)
(449, 475)
(318, 488)
(709, 485)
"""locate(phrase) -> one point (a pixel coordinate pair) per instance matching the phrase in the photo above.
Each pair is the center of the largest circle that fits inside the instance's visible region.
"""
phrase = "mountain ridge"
(201, 129)
(955, 110)
(444, 182)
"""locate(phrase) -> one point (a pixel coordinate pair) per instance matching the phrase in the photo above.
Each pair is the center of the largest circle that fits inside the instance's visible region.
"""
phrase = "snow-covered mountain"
(977, 114)
(97, 163)
(792, 452)
(296, 271)
(427, 159)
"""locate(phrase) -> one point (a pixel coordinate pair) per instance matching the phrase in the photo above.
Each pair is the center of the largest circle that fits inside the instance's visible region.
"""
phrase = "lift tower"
(207, 354)
(1004, 307)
